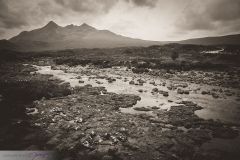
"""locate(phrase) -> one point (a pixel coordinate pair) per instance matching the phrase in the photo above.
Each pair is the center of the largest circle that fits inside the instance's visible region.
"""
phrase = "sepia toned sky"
(160, 20)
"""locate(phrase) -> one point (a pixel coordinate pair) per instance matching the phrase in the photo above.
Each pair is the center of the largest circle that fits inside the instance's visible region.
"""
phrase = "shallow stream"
(224, 108)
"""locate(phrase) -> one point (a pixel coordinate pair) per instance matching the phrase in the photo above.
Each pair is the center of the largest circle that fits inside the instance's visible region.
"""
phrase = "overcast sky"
(146, 19)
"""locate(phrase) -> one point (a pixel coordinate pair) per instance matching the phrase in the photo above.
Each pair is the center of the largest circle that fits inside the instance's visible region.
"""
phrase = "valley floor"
(113, 113)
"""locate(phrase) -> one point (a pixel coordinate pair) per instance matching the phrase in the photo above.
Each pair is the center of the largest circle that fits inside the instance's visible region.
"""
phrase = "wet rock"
(186, 91)
(80, 81)
(181, 91)
(154, 90)
(78, 77)
(132, 82)
(155, 107)
(142, 109)
(31, 111)
(86, 144)
(98, 82)
(170, 87)
(110, 79)
(205, 92)
(122, 138)
(191, 104)
(183, 85)
(141, 82)
(165, 94)
(123, 130)
(92, 134)
(78, 120)
(153, 83)
(107, 136)
(215, 95)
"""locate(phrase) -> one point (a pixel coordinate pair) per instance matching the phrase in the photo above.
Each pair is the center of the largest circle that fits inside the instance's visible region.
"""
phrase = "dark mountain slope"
(55, 37)
(229, 39)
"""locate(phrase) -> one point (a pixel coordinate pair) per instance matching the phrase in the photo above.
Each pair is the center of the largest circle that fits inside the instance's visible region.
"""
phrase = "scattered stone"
(145, 109)
(205, 92)
(169, 87)
(155, 90)
(110, 80)
(141, 82)
(31, 111)
(78, 77)
(132, 82)
(80, 81)
(152, 82)
(215, 95)
(98, 82)
(165, 94)
(107, 136)
(155, 107)
(181, 91)
(123, 130)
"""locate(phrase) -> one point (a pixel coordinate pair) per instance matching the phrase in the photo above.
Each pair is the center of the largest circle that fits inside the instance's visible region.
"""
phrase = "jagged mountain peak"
(51, 24)
(83, 26)
(86, 26)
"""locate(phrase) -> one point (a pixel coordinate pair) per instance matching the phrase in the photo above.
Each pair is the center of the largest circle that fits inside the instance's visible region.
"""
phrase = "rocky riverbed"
(115, 114)
(154, 91)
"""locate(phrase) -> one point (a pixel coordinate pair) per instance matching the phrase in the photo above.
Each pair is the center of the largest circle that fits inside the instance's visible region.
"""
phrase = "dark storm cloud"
(17, 13)
(8, 17)
(147, 3)
(210, 15)
(87, 5)
(94, 6)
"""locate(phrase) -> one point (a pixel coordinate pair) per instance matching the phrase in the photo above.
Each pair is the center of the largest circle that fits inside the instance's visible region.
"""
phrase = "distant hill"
(227, 40)
(55, 37)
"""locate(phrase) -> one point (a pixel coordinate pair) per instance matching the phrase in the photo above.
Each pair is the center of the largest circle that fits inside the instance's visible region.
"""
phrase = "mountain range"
(55, 37)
